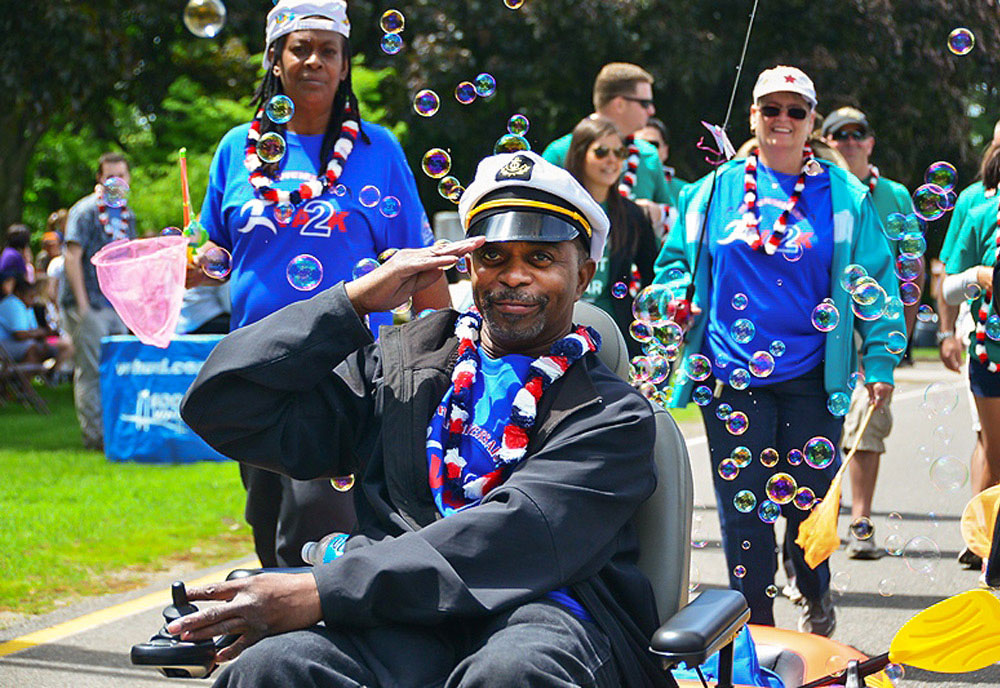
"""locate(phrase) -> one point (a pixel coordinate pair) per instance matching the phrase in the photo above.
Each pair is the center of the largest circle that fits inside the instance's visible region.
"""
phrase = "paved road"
(95, 652)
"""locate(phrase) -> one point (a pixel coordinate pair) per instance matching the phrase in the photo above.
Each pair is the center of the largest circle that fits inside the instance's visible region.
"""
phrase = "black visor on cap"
(519, 225)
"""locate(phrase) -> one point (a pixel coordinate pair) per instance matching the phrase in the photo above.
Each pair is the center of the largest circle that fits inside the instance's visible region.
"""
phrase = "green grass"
(74, 524)
(688, 414)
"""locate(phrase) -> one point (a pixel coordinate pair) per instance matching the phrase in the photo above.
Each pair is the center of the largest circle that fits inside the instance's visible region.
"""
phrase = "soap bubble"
(280, 109)
(863, 528)
(912, 223)
(912, 245)
(992, 327)
(825, 317)
(894, 544)
(392, 21)
(744, 501)
(768, 511)
(942, 174)
(819, 452)
(216, 262)
(205, 18)
(369, 196)
(698, 540)
(769, 458)
(697, 367)
(771, 591)
(340, 190)
(728, 470)
(737, 423)
(640, 331)
(973, 292)
(363, 267)
(271, 147)
(740, 301)
(961, 41)
(851, 275)
(909, 268)
(116, 192)
(511, 143)
(742, 331)
(387, 254)
(661, 368)
(424, 313)
(875, 309)
(909, 292)
(465, 92)
(865, 291)
(640, 369)
(304, 272)
(426, 103)
(485, 84)
(650, 304)
(896, 342)
(804, 498)
(723, 411)
(921, 555)
(702, 395)
(403, 308)
(740, 571)
(893, 226)
(513, 4)
(391, 43)
(794, 457)
(694, 578)
(389, 207)
(777, 348)
(840, 582)
(893, 672)
(893, 309)
(171, 231)
(894, 520)
(742, 456)
(887, 588)
(940, 398)
(518, 125)
(761, 364)
(619, 290)
(343, 483)
(448, 187)
(838, 404)
(436, 163)
(928, 200)
(668, 333)
(739, 378)
(949, 474)
(781, 488)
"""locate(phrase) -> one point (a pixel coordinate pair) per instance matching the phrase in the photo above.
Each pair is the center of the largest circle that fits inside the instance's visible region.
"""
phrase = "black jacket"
(620, 269)
(307, 384)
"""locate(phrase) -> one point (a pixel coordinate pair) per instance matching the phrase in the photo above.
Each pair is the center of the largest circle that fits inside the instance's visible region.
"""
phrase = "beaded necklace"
(873, 175)
(631, 168)
(261, 182)
(462, 485)
(984, 312)
(752, 216)
(103, 216)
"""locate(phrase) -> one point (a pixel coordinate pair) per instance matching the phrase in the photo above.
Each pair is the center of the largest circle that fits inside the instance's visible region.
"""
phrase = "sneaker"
(818, 616)
(969, 559)
(862, 549)
(792, 592)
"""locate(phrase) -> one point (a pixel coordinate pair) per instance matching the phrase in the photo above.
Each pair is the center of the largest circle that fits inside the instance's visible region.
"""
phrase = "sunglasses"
(795, 112)
(602, 152)
(645, 103)
(855, 134)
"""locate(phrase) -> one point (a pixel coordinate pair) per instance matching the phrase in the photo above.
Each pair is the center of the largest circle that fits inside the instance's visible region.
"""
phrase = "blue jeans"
(781, 416)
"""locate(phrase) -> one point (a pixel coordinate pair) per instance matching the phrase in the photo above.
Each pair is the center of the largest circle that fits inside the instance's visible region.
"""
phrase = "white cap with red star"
(784, 79)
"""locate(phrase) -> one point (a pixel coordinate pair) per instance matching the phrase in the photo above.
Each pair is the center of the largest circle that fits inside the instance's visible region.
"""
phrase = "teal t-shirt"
(649, 180)
(972, 197)
(599, 291)
(890, 197)
(675, 185)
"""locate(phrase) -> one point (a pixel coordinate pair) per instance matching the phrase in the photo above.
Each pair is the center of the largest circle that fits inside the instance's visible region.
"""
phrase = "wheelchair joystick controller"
(174, 657)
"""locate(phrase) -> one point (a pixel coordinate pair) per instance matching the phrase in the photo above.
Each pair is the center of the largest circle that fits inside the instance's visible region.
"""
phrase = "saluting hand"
(408, 271)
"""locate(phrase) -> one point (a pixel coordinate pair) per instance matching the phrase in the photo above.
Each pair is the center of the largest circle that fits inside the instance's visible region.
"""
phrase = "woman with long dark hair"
(596, 153)
(299, 196)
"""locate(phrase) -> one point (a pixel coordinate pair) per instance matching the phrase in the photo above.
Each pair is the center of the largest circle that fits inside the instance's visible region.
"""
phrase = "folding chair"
(15, 382)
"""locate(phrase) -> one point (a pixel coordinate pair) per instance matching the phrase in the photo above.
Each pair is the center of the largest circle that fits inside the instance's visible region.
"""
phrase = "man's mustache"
(513, 296)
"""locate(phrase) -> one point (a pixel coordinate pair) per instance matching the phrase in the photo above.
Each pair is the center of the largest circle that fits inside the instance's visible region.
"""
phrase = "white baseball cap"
(299, 15)
(523, 197)
(784, 79)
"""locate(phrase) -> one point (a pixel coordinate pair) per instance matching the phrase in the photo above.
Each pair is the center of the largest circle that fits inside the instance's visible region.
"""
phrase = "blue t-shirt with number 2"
(336, 230)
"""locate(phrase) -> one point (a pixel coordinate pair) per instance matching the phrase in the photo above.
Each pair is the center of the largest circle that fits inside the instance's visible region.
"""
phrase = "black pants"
(285, 514)
(782, 416)
(540, 645)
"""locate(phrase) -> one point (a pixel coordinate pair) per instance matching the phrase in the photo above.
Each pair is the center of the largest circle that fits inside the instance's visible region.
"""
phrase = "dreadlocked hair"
(270, 86)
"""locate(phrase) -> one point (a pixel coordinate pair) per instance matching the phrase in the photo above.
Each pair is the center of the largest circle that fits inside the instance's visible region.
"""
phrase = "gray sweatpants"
(86, 333)
(539, 644)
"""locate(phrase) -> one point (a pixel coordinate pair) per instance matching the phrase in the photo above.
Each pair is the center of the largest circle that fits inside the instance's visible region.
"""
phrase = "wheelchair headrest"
(613, 353)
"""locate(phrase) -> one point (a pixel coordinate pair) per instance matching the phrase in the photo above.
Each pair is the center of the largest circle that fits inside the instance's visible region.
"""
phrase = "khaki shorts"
(878, 428)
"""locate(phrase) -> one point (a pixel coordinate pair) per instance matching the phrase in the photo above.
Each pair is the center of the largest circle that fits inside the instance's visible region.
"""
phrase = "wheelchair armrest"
(246, 573)
(701, 628)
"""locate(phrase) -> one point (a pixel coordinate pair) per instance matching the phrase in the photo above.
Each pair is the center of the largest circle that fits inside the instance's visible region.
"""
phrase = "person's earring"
(276, 70)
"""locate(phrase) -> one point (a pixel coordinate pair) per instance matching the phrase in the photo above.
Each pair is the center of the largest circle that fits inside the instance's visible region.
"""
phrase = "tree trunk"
(19, 134)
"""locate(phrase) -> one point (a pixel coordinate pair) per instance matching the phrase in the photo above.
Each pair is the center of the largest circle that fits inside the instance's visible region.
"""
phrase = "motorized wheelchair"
(691, 632)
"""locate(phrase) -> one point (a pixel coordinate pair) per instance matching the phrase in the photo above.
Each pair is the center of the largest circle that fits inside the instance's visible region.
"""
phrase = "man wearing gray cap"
(499, 463)
(847, 130)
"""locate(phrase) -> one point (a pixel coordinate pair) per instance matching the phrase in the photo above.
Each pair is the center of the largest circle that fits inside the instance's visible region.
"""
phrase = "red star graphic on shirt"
(789, 79)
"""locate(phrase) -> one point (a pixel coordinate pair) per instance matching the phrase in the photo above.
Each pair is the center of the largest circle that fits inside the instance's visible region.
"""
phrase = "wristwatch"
(941, 336)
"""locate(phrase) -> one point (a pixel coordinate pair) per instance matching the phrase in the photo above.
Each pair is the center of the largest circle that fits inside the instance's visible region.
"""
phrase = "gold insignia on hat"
(519, 167)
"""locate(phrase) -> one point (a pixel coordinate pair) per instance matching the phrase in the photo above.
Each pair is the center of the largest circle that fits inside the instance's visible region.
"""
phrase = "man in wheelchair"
(499, 466)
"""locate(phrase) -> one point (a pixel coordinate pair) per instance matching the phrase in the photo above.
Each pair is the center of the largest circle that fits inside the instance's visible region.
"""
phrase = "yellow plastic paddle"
(954, 636)
(818, 533)
(978, 519)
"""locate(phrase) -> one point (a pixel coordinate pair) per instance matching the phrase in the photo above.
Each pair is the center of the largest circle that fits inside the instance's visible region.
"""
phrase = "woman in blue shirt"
(299, 196)
(771, 342)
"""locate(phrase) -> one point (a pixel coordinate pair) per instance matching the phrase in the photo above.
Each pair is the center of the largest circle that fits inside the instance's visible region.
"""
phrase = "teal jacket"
(858, 238)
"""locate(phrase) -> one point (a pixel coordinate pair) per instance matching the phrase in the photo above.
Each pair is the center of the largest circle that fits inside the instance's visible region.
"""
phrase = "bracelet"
(941, 336)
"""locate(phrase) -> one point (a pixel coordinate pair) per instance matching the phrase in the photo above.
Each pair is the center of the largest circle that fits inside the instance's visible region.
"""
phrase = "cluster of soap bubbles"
(205, 18)
(450, 188)
(215, 261)
(514, 140)
(483, 86)
(392, 23)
